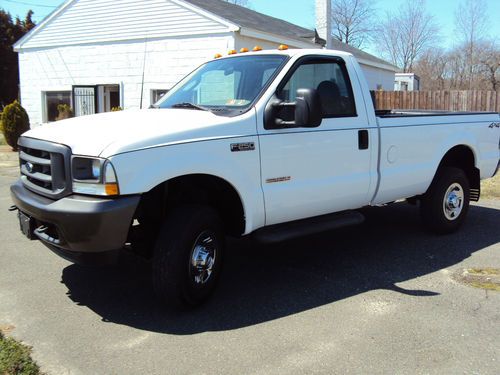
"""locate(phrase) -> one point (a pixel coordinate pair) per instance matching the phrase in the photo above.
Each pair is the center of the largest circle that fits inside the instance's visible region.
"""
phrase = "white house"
(98, 54)
(406, 82)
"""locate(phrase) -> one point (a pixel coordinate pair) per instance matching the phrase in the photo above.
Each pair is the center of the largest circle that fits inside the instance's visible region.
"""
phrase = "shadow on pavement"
(262, 283)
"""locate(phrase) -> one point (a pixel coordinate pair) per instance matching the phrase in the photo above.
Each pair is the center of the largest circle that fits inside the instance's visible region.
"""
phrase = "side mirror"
(306, 111)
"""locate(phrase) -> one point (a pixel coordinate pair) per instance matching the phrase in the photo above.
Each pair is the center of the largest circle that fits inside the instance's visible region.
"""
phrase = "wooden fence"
(446, 100)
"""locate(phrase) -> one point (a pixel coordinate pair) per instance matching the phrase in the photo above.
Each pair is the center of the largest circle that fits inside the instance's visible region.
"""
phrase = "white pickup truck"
(275, 144)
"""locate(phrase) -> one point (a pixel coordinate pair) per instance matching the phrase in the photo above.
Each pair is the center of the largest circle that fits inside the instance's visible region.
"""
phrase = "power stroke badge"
(247, 146)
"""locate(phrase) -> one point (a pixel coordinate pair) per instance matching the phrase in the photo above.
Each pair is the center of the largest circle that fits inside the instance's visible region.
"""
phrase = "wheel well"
(193, 189)
(462, 157)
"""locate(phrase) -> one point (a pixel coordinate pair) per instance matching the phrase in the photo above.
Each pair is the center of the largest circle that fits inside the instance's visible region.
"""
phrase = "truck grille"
(45, 167)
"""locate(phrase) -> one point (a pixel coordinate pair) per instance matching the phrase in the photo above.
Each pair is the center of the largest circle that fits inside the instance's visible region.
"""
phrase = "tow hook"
(13, 208)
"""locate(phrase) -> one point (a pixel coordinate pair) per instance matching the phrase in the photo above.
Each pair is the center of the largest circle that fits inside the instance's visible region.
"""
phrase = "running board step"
(299, 228)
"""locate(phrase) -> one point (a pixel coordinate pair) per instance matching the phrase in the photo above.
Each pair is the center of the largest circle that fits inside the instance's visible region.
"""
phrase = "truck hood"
(111, 133)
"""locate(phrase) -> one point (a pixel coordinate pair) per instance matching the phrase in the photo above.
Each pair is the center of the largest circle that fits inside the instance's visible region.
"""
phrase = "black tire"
(178, 283)
(441, 217)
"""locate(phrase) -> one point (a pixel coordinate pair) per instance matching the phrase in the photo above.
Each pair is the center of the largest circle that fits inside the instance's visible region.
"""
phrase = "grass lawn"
(15, 358)
(490, 188)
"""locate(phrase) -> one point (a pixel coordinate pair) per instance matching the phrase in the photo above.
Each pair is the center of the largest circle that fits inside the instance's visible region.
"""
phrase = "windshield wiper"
(189, 105)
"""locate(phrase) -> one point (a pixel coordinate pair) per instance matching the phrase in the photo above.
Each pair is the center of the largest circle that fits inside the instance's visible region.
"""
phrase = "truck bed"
(412, 144)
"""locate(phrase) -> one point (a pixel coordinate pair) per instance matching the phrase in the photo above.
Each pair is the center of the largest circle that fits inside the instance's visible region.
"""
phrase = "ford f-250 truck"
(273, 143)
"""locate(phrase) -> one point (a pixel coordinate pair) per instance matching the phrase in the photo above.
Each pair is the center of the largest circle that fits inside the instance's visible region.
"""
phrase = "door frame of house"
(104, 97)
(73, 101)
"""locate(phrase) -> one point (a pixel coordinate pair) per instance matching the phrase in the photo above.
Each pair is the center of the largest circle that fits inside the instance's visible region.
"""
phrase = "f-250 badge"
(494, 125)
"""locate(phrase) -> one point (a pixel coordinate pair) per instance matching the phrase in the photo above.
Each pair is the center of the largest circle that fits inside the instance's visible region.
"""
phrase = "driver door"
(308, 172)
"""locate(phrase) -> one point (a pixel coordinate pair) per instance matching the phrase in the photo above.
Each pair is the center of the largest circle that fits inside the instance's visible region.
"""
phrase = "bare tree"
(489, 63)
(433, 69)
(457, 69)
(473, 63)
(440, 69)
(470, 25)
(242, 3)
(405, 34)
(352, 21)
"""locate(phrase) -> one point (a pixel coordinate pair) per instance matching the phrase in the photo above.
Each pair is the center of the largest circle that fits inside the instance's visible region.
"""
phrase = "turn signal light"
(112, 189)
(257, 48)
(232, 52)
(283, 47)
(243, 50)
(217, 56)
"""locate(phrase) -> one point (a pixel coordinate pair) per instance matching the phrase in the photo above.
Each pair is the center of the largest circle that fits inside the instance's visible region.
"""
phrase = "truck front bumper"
(79, 228)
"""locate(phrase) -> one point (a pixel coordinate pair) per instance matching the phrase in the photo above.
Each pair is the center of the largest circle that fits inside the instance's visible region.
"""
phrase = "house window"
(52, 100)
(157, 94)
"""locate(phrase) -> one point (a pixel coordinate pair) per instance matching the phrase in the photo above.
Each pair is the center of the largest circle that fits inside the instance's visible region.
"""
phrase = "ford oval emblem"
(29, 167)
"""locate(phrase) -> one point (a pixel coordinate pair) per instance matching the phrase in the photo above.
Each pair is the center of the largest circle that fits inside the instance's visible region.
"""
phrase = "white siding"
(378, 78)
(167, 61)
(92, 21)
(411, 81)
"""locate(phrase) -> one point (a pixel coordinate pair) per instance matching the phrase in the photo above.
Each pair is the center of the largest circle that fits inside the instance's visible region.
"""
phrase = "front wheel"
(188, 256)
(445, 204)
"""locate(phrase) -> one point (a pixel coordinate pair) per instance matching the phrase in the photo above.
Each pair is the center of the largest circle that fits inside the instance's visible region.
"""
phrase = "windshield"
(226, 86)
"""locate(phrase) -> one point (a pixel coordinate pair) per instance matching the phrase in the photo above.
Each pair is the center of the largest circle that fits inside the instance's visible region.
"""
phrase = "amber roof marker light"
(257, 48)
(283, 47)
(243, 50)
(217, 56)
(232, 52)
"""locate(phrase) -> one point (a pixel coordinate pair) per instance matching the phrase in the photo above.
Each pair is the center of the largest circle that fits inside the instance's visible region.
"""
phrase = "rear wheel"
(445, 205)
(188, 256)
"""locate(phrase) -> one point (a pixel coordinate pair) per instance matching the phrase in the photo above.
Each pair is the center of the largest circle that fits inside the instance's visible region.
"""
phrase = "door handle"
(363, 140)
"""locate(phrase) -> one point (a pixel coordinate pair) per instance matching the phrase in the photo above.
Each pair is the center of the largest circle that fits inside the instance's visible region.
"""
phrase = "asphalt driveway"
(378, 298)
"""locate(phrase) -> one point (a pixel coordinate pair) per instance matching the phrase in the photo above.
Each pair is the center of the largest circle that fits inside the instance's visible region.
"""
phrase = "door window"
(330, 79)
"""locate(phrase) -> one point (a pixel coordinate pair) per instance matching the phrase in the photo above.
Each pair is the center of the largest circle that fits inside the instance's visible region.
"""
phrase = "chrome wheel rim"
(202, 259)
(453, 202)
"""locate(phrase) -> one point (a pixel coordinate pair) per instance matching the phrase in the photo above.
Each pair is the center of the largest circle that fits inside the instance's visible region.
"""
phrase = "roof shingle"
(245, 17)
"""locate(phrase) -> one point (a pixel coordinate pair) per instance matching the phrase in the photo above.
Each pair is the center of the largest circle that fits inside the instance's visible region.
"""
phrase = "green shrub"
(64, 111)
(116, 109)
(15, 122)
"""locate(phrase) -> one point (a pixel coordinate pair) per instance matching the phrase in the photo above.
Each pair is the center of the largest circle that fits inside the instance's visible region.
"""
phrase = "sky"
(301, 12)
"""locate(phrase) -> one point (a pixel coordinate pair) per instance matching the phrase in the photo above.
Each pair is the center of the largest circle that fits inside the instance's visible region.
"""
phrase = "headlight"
(93, 176)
